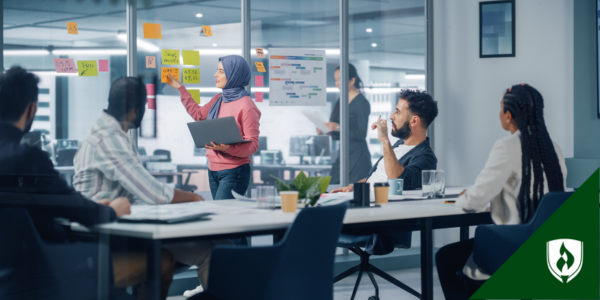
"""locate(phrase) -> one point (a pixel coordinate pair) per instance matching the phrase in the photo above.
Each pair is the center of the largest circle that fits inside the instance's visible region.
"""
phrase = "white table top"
(270, 220)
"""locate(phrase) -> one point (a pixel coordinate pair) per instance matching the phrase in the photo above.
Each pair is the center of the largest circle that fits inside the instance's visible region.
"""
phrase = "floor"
(411, 277)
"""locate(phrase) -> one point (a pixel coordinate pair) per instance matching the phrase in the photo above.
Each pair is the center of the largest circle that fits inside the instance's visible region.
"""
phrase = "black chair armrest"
(494, 244)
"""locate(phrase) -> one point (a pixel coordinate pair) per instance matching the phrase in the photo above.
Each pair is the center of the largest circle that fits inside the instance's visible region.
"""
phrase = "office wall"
(587, 125)
(469, 89)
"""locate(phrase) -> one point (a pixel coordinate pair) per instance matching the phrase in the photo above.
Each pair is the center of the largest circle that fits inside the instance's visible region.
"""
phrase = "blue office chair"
(299, 267)
(374, 244)
(494, 244)
(32, 269)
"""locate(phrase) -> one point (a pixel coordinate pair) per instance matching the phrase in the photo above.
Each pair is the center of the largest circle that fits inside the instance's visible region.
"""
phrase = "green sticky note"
(170, 57)
(87, 67)
(195, 95)
(191, 57)
(191, 75)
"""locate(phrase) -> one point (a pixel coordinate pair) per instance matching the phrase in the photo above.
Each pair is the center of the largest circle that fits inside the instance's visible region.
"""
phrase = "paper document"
(316, 118)
(244, 198)
(336, 198)
(181, 210)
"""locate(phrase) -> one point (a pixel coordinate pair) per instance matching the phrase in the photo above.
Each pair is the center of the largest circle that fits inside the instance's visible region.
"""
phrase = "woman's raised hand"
(174, 82)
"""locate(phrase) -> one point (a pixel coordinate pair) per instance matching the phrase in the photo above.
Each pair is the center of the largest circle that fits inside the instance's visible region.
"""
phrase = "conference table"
(408, 215)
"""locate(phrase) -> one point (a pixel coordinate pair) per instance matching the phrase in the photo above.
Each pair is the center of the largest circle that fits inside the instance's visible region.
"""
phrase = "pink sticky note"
(150, 89)
(258, 96)
(151, 103)
(258, 80)
(103, 65)
(65, 65)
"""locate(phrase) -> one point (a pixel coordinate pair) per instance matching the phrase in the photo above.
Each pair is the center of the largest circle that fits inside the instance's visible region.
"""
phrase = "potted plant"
(309, 188)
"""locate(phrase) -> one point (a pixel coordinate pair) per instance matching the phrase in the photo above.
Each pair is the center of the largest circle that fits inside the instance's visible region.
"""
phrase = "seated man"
(412, 154)
(28, 169)
(108, 165)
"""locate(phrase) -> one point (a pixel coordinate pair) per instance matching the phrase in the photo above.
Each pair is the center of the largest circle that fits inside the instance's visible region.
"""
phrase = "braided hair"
(526, 105)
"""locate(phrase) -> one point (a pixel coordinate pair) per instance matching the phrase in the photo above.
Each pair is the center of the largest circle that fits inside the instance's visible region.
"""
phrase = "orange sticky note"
(151, 62)
(166, 71)
(72, 28)
(206, 31)
(258, 96)
(152, 31)
(260, 53)
(260, 67)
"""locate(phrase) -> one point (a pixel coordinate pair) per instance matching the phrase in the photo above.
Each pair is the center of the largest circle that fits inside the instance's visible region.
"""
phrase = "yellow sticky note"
(260, 67)
(195, 95)
(191, 57)
(170, 57)
(87, 67)
(152, 31)
(166, 71)
(72, 28)
(206, 30)
(191, 75)
(151, 62)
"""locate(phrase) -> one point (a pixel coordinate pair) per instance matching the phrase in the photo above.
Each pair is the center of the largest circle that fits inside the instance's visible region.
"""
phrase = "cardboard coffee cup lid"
(381, 184)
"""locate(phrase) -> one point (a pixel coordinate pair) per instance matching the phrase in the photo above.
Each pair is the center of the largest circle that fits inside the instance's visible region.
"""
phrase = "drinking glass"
(439, 184)
(427, 178)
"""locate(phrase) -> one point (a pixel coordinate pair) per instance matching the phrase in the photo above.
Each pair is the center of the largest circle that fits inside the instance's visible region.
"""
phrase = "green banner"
(560, 260)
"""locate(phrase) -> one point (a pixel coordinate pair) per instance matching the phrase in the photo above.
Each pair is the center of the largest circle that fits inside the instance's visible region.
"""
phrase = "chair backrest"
(305, 269)
(163, 152)
(548, 205)
(65, 157)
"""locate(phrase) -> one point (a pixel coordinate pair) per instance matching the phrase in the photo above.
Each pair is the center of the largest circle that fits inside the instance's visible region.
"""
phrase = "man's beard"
(403, 132)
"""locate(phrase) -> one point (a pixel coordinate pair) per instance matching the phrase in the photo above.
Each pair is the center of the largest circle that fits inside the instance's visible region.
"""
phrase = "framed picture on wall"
(497, 29)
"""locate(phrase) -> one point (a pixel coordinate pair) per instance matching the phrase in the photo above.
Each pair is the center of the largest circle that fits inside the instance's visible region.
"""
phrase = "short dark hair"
(126, 93)
(18, 88)
(421, 104)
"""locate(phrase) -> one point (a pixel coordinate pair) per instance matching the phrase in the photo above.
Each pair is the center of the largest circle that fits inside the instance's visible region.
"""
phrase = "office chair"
(163, 152)
(374, 244)
(33, 269)
(64, 157)
(299, 267)
(494, 244)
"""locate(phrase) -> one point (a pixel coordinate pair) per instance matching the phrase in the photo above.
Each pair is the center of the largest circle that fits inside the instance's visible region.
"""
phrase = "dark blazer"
(360, 157)
(416, 160)
(26, 169)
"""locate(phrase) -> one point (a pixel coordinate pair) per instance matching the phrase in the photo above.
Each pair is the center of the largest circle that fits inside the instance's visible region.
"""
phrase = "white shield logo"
(564, 258)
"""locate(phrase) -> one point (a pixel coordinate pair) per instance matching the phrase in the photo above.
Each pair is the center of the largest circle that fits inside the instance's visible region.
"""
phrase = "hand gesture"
(382, 130)
(121, 206)
(174, 82)
(344, 189)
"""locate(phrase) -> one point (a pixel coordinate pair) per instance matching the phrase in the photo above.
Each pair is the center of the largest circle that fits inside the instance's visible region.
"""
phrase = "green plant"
(309, 188)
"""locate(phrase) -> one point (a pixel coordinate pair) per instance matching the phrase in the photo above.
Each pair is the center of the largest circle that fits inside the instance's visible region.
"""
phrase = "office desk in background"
(421, 215)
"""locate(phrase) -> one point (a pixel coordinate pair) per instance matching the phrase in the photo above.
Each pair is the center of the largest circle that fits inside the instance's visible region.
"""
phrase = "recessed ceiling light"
(199, 15)
(214, 45)
(369, 30)
(374, 45)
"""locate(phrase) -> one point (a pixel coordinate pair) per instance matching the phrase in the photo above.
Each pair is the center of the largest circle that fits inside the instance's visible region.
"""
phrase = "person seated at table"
(27, 169)
(412, 154)
(514, 189)
(108, 165)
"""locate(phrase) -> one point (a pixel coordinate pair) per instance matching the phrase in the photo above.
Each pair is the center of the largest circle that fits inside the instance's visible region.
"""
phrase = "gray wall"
(587, 125)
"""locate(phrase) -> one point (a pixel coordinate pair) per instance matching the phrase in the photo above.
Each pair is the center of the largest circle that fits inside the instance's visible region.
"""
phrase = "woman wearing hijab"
(228, 165)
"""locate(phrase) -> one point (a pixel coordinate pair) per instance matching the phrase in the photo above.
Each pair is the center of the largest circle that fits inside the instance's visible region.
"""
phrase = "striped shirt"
(107, 165)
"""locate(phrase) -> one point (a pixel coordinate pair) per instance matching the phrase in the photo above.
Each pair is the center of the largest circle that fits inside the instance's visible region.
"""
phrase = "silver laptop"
(220, 131)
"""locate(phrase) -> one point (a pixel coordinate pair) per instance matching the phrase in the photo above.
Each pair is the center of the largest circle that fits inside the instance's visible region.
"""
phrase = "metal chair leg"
(360, 273)
(374, 283)
(346, 273)
(394, 281)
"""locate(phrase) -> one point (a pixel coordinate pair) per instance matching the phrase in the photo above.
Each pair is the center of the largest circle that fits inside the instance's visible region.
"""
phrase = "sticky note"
(195, 95)
(206, 31)
(260, 67)
(191, 57)
(258, 96)
(152, 31)
(87, 68)
(72, 28)
(150, 89)
(103, 65)
(151, 62)
(151, 103)
(151, 97)
(170, 57)
(165, 71)
(260, 53)
(191, 75)
(65, 65)
(258, 80)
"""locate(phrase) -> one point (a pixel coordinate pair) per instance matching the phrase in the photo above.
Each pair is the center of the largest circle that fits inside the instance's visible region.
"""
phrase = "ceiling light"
(141, 43)
(199, 15)
(214, 45)
(90, 52)
(25, 52)
(374, 45)
(414, 76)
(369, 30)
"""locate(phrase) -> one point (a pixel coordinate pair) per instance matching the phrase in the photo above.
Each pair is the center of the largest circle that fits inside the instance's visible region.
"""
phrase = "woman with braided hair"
(520, 169)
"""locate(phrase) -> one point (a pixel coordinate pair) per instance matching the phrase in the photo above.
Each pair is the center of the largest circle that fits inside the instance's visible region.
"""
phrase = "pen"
(449, 201)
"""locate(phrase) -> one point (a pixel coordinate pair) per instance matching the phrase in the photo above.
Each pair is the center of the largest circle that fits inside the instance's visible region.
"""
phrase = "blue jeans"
(225, 181)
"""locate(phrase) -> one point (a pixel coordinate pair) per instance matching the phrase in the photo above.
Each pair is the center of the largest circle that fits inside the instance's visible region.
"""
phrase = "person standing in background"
(360, 109)
(228, 165)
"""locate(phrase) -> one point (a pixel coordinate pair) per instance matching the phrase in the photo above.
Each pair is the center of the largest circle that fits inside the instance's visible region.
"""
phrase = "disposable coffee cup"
(289, 201)
(382, 190)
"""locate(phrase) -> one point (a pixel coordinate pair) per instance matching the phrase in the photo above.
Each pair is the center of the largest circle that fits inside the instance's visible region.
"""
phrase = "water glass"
(427, 179)
(266, 197)
(439, 184)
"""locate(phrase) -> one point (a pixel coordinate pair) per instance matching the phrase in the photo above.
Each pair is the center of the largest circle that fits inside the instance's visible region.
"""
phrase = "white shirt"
(499, 183)
(379, 175)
